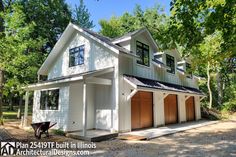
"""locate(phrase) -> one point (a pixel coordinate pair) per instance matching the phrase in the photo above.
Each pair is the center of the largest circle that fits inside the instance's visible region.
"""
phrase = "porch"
(93, 135)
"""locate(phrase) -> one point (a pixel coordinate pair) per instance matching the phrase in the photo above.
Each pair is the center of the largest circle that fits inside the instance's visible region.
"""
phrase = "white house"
(122, 84)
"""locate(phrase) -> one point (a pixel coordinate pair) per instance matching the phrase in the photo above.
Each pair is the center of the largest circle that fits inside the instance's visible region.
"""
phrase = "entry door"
(141, 110)
(190, 109)
(171, 109)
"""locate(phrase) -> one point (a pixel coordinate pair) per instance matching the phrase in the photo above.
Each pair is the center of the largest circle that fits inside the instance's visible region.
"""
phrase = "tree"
(19, 52)
(196, 25)
(50, 18)
(82, 16)
(152, 18)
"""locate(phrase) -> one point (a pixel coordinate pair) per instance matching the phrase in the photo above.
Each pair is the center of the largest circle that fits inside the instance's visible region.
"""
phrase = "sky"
(104, 9)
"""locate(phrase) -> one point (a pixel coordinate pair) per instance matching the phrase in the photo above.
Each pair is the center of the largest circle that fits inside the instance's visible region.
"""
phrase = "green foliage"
(229, 106)
(82, 16)
(19, 52)
(152, 18)
(58, 132)
(1, 120)
(50, 18)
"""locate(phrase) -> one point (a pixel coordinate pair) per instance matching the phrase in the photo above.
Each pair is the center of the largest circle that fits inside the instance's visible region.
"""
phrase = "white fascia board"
(166, 91)
(158, 53)
(38, 85)
(96, 80)
(122, 40)
(130, 83)
(181, 62)
(96, 39)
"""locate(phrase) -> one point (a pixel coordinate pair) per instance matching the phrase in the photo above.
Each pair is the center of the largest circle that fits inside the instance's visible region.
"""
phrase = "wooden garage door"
(141, 110)
(190, 109)
(171, 109)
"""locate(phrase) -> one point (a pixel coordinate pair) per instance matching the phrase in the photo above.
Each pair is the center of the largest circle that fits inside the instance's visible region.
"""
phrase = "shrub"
(58, 132)
(229, 106)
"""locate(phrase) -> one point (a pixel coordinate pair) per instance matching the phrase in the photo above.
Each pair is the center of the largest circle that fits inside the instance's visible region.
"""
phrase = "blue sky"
(104, 9)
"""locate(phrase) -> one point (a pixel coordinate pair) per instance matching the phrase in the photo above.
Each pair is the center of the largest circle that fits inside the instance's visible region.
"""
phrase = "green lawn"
(13, 114)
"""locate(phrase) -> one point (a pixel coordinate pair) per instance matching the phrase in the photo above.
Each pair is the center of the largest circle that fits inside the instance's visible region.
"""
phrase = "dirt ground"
(214, 140)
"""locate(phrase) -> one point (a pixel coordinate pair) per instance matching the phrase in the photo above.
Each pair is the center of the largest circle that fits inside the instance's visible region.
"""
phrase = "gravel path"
(214, 140)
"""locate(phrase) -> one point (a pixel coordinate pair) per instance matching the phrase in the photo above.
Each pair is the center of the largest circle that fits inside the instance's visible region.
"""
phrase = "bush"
(229, 106)
(58, 132)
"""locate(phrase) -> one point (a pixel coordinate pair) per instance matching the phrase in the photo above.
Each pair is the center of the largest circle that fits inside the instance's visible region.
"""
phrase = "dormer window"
(170, 62)
(143, 53)
(189, 70)
(76, 56)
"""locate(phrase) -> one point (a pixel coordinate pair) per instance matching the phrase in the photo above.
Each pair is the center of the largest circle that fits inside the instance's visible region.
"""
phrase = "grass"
(10, 115)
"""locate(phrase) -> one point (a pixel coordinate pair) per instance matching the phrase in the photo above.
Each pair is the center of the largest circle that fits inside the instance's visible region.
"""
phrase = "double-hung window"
(142, 51)
(49, 99)
(170, 62)
(76, 56)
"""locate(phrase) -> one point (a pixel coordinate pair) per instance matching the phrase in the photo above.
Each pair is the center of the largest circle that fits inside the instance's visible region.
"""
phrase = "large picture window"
(170, 62)
(76, 56)
(142, 51)
(49, 99)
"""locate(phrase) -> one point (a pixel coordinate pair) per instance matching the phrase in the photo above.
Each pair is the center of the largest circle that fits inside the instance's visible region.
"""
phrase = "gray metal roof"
(143, 82)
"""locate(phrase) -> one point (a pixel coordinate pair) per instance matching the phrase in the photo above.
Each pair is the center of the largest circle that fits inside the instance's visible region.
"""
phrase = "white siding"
(158, 109)
(75, 114)
(96, 57)
(59, 116)
(181, 108)
(197, 107)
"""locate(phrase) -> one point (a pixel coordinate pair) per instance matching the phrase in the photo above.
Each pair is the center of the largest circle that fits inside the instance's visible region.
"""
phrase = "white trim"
(165, 95)
(165, 91)
(121, 40)
(158, 53)
(96, 80)
(186, 97)
(131, 94)
(131, 83)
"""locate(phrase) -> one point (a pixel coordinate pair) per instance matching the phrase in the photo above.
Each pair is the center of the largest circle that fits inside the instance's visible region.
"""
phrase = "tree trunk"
(1, 70)
(219, 88)
(19, 113)
(209, 84)
(11, 102)
(1, 90)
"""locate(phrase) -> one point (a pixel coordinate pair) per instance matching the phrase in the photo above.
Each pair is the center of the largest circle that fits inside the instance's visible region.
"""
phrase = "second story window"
(76, 56)
(188, 70)
(143, 53)
(170, 62)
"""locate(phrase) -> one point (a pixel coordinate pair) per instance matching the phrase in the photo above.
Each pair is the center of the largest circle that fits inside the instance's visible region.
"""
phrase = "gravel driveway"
(213, 140)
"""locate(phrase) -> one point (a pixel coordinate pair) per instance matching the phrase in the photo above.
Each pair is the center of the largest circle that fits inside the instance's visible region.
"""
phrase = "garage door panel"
(190, 109)
(135, 112)
(146, 113)
(171, 109)
(141, 110)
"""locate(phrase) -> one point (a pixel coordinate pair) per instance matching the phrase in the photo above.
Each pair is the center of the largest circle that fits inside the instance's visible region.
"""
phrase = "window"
(170, 62)
(189, 70)
(49, 99)
(143, 53)
(76, 56)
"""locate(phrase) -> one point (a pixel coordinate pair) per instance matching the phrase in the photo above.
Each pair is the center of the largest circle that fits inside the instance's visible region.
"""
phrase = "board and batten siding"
(59, 116)
(75, 112)
(96, 56)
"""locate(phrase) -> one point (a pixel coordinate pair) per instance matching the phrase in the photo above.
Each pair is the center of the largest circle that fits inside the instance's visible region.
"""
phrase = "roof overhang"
(138, 84)
(64, 81)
